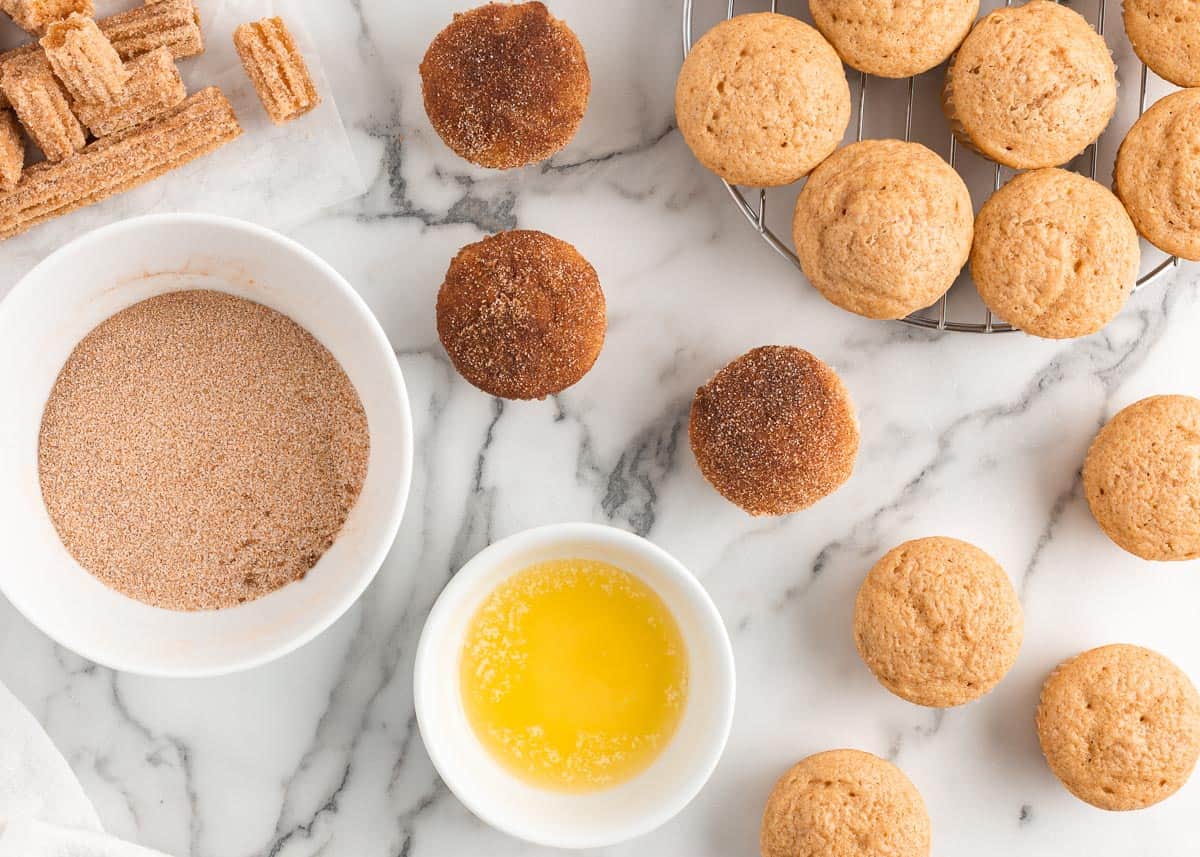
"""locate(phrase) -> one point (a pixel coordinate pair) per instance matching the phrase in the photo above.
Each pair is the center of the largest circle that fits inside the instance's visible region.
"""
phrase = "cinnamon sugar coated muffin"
(894, 38)
(774, 431)
(1120, 726)
(1031, 86)
(1142, 478)
(1165, 35)
(938, 622)
(1055, 254)
(845, 803)
(521, 314)
(505, 85)
(762, 99)
(882, 228)
(1157, 174)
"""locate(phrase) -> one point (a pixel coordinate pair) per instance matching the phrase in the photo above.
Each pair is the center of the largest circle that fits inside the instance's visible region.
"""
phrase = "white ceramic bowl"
(599, 818)
(41, 322)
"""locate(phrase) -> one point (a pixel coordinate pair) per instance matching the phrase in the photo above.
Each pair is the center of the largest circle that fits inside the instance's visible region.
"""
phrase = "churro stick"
(171, 23)
(38, 98)
(35, 15)
(174, 24)
(276, 69)
(201, 124)
(85, 61)
(12, 150)
(154, 87)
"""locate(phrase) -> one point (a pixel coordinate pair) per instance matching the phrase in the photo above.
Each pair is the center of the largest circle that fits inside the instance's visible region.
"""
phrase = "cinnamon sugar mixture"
(199, 450)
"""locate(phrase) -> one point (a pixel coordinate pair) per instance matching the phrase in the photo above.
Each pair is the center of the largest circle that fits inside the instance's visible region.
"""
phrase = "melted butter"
(574, 675)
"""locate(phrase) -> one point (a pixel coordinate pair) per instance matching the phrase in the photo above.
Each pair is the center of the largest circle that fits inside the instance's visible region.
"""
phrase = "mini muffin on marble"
(774, 431)
(1165, 35)
(1157, 174)
(505, 85)
(938, 622)
(1031, 86)
(762, 99)
(521, 314)
(882, 228)
(1142, 478)
(1055, 254)
(845, 803)
(894, 38)
(1120, 726)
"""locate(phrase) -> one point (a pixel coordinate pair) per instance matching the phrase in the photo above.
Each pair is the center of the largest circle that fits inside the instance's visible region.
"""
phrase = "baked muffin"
(1157, 174)
(521, 314)
(774, 431)
(882, 228)
(1031, 86)
(894, 38)
(938, 622)
(1120, 726)
(1142, 478)
(845, 803)
(1055, 254)
(762, 99)
(1165, 35)
(505, 85)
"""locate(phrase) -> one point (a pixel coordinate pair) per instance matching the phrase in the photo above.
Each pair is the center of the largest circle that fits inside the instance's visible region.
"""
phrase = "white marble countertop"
(975, 437)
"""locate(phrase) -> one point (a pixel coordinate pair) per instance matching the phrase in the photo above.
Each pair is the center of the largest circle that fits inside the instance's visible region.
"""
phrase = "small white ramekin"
(594, 819)
(44, 318)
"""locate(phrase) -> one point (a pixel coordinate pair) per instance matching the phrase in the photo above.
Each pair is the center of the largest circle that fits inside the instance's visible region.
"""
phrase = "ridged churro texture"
(34, 15)
(113, 165)
(276, 68)
(12, 150)
(85, 61)
(171, 23)
(154, 87)
(40, 103)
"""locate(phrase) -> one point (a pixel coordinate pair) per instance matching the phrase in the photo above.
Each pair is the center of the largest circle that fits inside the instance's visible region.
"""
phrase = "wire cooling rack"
(895, 107)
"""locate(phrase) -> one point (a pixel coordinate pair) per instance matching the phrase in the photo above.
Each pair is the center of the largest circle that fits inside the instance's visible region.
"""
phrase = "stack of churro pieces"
(104, 102)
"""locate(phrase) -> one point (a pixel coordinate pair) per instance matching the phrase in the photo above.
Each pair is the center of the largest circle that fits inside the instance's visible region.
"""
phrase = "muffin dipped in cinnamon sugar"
(506, 85)
(774, 431)
(521, 314)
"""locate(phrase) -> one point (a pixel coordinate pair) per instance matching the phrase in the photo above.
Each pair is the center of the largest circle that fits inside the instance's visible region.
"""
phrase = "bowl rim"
(466, 581)
(377, 553)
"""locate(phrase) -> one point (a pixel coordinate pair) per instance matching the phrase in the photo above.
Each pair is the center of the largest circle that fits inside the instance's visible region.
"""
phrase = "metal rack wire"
(937, 316)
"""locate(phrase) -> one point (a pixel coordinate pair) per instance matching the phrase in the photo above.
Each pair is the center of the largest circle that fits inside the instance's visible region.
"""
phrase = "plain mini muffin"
(774, 431)
(1157, 174)
(894, 38)
(521, 314)
(882, 228)
(1120, 726)
(938, 622)
(505, 85)
(1165, 35)
(845, 803)
(1031, 86)
(1055, 254)
(1142, 479)
(762, 99)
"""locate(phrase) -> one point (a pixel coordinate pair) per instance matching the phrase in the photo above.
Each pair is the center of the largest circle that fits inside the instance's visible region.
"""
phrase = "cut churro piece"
(171, 23)
(276, 68)
(154, 87)
(201, 124)
(12, 150)
(35, 15)
(85, 60)
(41, 105)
